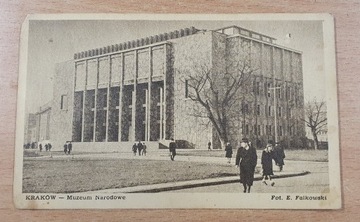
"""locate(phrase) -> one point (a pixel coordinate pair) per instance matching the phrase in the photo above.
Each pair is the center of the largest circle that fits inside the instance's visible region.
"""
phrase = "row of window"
(290, 92)
(269, 110)
(268, 130)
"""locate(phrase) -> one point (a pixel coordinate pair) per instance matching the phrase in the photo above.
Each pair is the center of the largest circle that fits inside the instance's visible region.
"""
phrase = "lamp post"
(275, 111)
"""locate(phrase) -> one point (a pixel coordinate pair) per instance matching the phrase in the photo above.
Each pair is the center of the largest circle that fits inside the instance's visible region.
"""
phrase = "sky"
(55, 41)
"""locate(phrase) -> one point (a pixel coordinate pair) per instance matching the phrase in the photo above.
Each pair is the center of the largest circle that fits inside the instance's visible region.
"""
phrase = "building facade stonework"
(107, 98)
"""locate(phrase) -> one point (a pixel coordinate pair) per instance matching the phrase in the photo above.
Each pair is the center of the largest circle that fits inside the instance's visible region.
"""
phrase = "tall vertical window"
(259, 130)
(290, 93)
(269, 90)
(290, 113)
(186, 88)
(245, 129)
(257, 88)
(280, 131)
(63, 102)
(258, 111)
(279, 111)
(265, 88)
(268, 129)
(269, 110)
(278, 91)
(245, 108)
(290, 131)
(296, 95)
(287, 93)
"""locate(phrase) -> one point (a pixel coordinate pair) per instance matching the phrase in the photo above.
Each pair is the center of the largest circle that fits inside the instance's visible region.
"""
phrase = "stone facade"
(62, 105)
(137, 90)
(273, 66)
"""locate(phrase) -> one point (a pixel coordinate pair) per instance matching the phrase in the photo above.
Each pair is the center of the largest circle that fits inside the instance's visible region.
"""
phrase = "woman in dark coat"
(229, 152)
(134, 148)
(246, 160)
(172, 149)
(279, 156)
(267, 165)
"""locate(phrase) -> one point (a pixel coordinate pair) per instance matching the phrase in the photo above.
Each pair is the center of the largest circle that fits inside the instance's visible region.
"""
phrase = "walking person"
(228, 152)
(40, 147)
(172, 149)
(134, 148)
(46, 147)
(279, 155)
(267, 165)
(69, 147)
(144, 149)
(140, 147)
(209, 146)
(65, 147)
(246, 160)
(50, 146)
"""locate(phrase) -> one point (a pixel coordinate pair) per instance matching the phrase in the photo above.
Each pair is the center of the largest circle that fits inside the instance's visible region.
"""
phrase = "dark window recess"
(258, 111)
(63, 102)
(279, 111)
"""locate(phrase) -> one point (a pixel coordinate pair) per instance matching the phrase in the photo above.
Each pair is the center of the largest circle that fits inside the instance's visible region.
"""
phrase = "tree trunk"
(223, 141)
(316, 142)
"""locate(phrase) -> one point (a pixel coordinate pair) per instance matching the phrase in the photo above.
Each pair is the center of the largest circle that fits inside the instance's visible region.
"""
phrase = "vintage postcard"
(177, 111)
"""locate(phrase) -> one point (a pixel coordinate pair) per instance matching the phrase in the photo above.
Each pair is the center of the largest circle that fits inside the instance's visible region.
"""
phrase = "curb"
(155, 188)
(193, 184)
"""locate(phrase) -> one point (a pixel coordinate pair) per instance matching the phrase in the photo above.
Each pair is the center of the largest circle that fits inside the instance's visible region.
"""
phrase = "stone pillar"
(164, 107)
(108, 103)
(133, 110)
(83, 105)
(121, 97)
(149, 102)
(95, 102)
(146, 115)
(161, 114)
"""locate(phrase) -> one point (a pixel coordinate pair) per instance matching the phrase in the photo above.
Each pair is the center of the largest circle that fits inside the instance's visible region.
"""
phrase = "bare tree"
(221, 91)
(315, 118)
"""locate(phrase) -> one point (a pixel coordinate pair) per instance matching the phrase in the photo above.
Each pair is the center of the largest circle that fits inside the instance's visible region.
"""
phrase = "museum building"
(107, 98)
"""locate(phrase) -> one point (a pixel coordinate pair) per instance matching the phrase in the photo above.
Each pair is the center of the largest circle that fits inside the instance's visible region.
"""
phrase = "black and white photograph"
(177, 111)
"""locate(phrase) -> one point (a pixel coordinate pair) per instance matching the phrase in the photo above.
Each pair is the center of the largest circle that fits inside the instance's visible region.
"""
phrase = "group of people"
(139, 147)
(269, 154)
(47, 147)
(67, 147)
(246, 160)
(41, 145)
(31, 145)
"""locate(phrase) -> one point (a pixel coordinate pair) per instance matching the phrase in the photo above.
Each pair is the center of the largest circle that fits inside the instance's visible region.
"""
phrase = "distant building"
(37, 127)
(31, 128)
(106, 98)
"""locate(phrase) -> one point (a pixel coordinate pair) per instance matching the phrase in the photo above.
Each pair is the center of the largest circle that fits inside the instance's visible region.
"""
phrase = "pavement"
(154, 188)
(292, 170)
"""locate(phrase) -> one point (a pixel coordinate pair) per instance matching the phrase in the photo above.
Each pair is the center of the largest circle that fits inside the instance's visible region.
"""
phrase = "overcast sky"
(51, 42)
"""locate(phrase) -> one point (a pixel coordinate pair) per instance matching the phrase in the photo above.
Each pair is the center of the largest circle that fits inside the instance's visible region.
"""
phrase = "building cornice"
(124, 51)
(264, 42)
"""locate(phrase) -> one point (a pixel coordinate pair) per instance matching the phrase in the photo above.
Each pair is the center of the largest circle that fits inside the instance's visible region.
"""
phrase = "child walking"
(266, 162)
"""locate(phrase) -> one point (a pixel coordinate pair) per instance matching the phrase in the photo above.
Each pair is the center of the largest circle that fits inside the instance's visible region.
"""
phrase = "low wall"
(110, 146)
